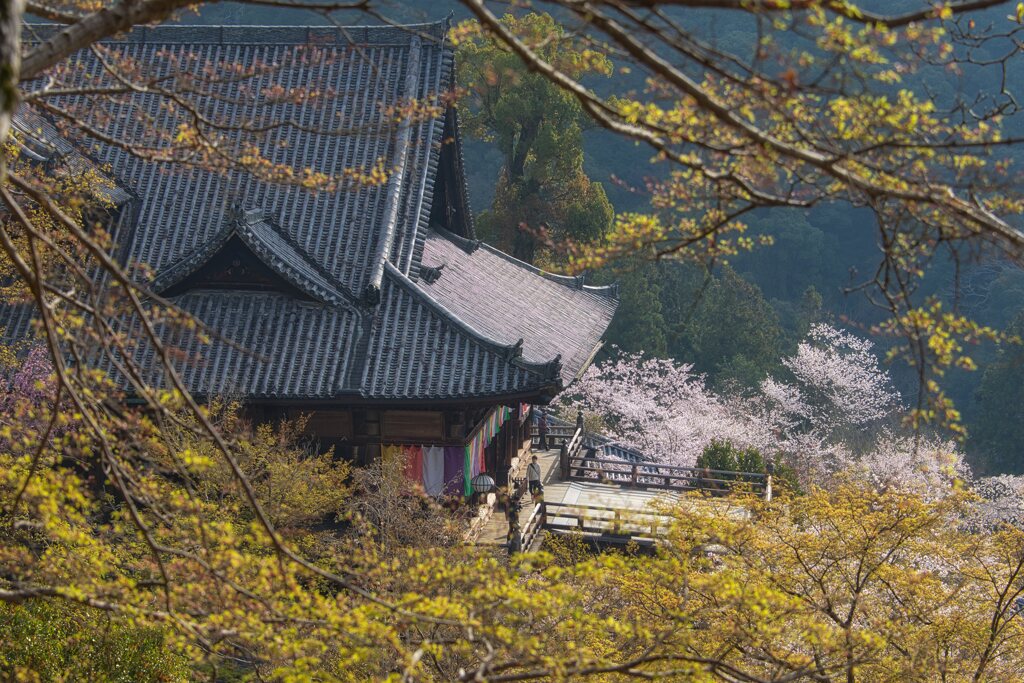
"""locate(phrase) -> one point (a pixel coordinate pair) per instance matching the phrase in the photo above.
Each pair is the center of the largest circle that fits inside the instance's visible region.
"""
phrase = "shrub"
(55, 641)
(722, 455)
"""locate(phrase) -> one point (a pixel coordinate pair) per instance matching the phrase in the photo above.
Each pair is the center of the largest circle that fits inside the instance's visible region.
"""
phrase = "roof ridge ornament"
(234, 214)
(237, 216)
(516, 350)
(371, 296)
(554, 367)
(431, 274)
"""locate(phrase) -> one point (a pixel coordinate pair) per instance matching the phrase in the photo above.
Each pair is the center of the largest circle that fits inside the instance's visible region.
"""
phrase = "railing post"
(563, 462)
(769, 470)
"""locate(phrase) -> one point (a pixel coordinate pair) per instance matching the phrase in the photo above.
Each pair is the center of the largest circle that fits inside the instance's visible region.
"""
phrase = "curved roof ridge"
(548, 370)
(274, 226)
(461, 170)
(573, 281)
(191, 261)
(258, 34)
(396, 181)
(320, 285)
(412, 244)
(464, 243)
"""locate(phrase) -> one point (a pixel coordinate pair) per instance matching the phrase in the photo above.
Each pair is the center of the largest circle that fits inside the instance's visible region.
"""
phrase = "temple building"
(374, 309)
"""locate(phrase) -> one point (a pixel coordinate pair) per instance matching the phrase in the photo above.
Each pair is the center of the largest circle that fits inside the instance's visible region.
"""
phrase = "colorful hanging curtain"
(433, 470)
(474, 458)
(414, 463)
(390, 452)
(454, 468)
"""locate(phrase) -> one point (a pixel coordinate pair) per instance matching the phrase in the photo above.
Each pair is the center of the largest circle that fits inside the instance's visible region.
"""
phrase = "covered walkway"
(495, 530)
(605, 511)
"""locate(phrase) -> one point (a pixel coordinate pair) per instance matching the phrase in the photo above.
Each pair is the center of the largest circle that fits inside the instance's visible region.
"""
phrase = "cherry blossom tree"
(827, 411)
(835, 384)
(661, 408)
(930, 466)
(831, 415)
(1001, 500)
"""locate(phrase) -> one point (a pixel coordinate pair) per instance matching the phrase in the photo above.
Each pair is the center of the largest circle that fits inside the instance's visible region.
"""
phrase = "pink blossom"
(31, 381)
(659, 407)
(829, 414)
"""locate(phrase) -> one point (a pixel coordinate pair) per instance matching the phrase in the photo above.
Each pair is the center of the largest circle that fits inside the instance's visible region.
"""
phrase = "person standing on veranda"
(533, 478)
(542, 430)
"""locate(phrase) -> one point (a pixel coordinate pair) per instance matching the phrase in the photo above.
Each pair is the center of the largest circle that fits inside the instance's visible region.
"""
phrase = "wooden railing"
(534, 525)
(605, 525)
(622, 524)
(556, 433)
(570, 451)
(667, 477)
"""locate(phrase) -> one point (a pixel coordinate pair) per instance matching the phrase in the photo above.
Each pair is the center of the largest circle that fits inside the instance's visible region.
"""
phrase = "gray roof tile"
(452, 338)
(346, 128)
(273, 346)
(508, 300)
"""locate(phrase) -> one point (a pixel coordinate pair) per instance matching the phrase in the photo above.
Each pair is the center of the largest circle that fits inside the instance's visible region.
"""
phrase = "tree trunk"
(10, 61)
(517, 162)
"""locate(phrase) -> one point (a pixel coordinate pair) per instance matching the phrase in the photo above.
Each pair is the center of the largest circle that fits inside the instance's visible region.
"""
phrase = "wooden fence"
(596, 523)
(578, 463)
(666, 477)
(642, 526)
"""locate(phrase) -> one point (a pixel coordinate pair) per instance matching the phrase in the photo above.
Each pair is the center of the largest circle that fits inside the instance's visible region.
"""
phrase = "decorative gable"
(450, 207)
(235, 266)
(250, 253)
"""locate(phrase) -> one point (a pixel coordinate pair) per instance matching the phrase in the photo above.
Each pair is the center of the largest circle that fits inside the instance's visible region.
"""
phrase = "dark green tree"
(803, 255)
(997, 434)
(734, 334)
(797, 316)
(538, 128)
(639, 324)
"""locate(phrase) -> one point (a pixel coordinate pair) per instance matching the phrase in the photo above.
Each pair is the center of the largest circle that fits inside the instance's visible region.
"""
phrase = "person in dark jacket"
(514, 539)
(542, 430)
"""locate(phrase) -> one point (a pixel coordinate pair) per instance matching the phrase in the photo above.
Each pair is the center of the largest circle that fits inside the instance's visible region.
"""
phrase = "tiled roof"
(422, 351)
(272, 247)
(362, 74)
(273, 346)
(42, 142)
(281, 347)
(367, 324)
(508, 300)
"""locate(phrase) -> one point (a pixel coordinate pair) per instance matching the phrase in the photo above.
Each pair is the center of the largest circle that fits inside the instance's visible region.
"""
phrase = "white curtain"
(433, 470)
